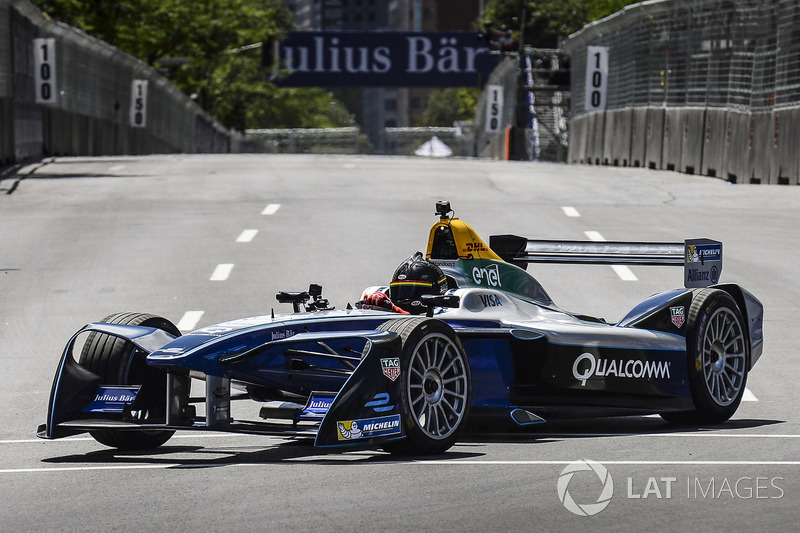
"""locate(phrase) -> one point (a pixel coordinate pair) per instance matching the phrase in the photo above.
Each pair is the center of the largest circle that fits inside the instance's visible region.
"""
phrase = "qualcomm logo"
(632, 368)
(585, 509)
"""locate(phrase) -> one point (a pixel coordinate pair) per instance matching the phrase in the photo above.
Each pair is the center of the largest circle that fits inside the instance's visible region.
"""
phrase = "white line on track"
(622, 271)
(189, 320)
(271, 209)
(443, 462)
(748, 396)
(570, 211)
(247, 235)
(222, 272)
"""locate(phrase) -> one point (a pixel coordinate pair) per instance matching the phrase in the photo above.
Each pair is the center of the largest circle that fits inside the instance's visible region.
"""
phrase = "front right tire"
(718, 355)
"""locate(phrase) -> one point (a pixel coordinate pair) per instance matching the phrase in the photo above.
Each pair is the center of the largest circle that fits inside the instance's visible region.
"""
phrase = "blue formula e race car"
(488, 347)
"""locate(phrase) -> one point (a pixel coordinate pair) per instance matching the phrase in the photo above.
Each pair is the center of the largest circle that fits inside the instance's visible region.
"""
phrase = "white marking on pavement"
(570, 211)
(624, 273)
(116, 168)
(271, 209)
(222, 272)
(247, 235)
(748, 396)
(424, 462)
(189, 320)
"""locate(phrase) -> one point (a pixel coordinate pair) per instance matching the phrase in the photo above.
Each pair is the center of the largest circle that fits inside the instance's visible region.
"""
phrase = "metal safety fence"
(698, 86)
(523, 109)
(63, 92)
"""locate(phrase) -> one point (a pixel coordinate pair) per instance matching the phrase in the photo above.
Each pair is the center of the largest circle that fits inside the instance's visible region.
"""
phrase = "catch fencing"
(531, 120)
(72, 94)
(707, 87)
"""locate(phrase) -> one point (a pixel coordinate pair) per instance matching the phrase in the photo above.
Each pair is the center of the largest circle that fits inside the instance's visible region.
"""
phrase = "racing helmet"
(414, 277)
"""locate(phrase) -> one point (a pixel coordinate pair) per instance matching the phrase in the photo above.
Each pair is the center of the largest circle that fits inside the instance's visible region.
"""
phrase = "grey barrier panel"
(673, 139)
(6, 131)
(638, 136)
(714, 143)
(577, 140)
(761, 141)
(737, 146)
(594, 147)
(692, 140)
(784, 163)
(617, 137)
(654, 136)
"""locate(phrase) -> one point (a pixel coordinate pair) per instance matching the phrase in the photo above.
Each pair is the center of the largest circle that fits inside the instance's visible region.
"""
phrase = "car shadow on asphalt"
(302, 451)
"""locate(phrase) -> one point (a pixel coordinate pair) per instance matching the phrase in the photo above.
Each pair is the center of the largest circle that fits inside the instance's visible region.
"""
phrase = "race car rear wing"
(701, 258)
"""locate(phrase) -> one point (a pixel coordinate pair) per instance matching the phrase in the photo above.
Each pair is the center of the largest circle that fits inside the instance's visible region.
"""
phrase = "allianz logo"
(489, 275)
(587, 365)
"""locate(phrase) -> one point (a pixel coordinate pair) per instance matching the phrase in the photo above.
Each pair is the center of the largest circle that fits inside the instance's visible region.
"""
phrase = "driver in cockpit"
(414, 277)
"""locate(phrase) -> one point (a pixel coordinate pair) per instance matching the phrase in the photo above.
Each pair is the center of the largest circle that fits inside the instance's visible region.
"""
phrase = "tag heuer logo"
(391, 367)
(678, 316)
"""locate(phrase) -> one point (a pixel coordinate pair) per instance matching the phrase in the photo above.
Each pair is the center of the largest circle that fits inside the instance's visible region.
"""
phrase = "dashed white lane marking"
(222, 272)
(748, 396)
(189, 320)
(570, 211)
(116, 168)
(247, 235)
(271, 209)
(622, 271)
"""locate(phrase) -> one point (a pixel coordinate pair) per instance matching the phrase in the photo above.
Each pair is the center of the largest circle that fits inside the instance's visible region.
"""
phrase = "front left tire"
(118, 362)
(436, 389)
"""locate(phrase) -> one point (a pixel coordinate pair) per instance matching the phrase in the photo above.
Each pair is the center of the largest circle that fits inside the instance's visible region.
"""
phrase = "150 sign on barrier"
(596, 77)
(494, 108)
(381, 59)
(139, 103)
(44, 63)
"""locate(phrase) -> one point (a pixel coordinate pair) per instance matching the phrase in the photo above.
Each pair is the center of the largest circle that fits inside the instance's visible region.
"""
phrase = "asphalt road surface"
(202, 239)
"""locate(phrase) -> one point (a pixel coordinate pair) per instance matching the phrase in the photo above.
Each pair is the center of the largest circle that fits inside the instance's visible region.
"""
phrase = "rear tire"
(436, 388)
(718, 355)
(118, 362)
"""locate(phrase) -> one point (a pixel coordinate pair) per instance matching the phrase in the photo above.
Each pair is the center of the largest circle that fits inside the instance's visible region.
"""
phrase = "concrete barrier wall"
(713, 162)
(785, 152)
(91, 113)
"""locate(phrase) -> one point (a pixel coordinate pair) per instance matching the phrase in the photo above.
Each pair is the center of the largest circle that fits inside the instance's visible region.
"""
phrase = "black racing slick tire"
(717, 350)
(118, 362)
(436, 388)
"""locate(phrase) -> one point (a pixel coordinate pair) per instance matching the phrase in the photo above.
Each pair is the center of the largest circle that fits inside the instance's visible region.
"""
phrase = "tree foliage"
(207, 50)
(549, 21)
(446, 106)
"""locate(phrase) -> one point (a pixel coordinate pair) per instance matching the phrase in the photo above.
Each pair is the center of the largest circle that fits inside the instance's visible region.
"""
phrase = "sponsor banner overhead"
(380, 59)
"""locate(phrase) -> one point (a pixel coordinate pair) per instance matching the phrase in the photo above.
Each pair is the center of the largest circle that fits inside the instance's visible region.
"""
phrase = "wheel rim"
(724, 356)
(437, 386)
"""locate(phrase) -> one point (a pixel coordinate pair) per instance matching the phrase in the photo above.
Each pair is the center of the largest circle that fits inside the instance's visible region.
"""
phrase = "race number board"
(139, 103)
(494, 108)
(44, 63)
(596, 77)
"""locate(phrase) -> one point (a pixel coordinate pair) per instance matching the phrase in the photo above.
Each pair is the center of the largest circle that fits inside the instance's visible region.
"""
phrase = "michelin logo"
(586, 366)
(368, 427)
